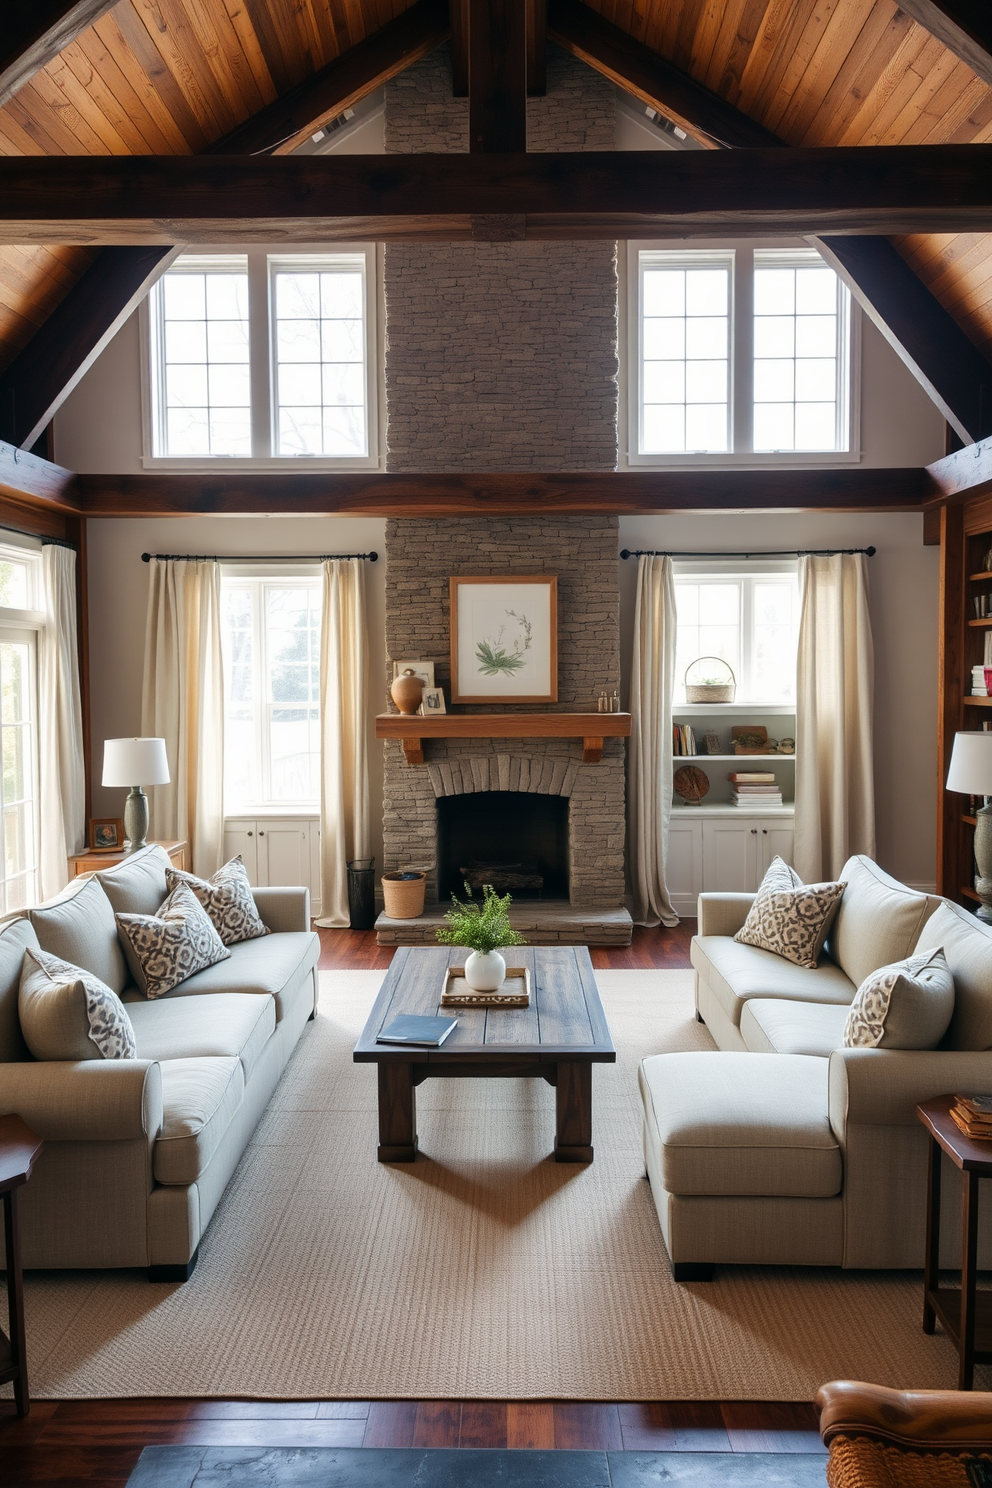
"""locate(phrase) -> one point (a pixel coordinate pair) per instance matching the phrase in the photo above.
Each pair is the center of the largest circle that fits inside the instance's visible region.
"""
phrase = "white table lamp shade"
(135, 762)
(970, 770)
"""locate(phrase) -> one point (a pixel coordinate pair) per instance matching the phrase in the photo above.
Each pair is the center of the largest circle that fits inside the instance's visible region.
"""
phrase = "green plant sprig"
(484, 927)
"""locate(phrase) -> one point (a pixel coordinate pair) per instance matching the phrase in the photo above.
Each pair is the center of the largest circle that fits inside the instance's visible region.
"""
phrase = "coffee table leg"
(397, 1113)
(573, 1099)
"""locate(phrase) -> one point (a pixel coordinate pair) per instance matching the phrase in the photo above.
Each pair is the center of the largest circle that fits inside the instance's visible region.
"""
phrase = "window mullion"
(261, 708)
(742, 332)
(259, 354)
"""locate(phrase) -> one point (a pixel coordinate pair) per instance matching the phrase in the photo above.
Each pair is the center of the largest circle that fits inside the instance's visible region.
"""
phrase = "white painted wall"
(903, 578)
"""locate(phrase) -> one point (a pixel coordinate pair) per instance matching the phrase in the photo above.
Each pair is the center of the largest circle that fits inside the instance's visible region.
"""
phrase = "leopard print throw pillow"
(907, 1005)
(228, 900)
(164, 949)
(67, 1013)
(789, 918)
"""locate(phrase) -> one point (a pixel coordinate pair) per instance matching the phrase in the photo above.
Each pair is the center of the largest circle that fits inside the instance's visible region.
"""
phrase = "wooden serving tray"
(514, 993)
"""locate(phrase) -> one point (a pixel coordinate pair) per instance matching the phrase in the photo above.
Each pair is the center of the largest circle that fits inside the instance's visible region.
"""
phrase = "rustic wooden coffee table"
(558, 1038)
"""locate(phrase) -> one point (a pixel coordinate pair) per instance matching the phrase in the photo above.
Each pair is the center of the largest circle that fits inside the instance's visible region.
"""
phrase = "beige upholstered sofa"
(784, 1147)
(138, 1152)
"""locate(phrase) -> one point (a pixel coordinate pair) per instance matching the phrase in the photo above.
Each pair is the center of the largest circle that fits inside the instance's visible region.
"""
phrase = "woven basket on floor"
(860, 1462)
(403, 898)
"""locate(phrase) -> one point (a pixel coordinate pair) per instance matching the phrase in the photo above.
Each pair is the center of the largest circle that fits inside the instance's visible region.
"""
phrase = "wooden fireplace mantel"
(591, 728)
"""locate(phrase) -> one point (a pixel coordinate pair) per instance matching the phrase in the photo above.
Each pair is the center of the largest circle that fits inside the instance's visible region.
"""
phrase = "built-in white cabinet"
(277, 851)
(713, 849)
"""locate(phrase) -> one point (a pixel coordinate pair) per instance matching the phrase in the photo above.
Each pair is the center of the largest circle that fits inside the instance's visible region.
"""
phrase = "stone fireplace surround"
(582, 551)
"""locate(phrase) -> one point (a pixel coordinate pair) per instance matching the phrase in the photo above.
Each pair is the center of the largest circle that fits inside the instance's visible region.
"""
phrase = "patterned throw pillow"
(790, 918)
(67, 1013)
(228, 900)
(165, 948)
(908, 1005)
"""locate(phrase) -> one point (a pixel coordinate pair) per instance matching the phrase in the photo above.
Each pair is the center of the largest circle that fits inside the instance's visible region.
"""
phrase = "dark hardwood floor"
(98, 1442)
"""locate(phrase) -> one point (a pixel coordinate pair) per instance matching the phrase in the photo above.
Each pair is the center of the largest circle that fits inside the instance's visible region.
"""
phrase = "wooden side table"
(964, 1315)
(92, 862)
(19, 1147)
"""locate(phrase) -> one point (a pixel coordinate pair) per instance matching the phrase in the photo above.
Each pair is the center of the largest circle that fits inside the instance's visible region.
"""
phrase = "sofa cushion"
(790, 918)
(16, 936)
(137, 884)
(200, 1098)
(80, 928)
(273, 965)
(164, 949)
(773, 1025)
(753, 1124)
(227, 898)
(905, 1006)
(878, 922)
(68, 1014)
(967, 946)
(737, 972)
(228, 1025)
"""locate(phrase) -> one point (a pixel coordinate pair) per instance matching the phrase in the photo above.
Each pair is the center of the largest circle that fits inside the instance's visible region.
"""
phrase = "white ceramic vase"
(485, 970)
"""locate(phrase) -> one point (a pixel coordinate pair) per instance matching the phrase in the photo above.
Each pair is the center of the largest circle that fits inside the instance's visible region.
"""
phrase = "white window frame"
(716, 572)
(261, 320)
(19, 626)
(741, 370)
(258, 577)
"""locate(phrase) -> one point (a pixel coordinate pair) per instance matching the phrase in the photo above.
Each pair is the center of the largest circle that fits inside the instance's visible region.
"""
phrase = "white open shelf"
(738, 758)
(734, 710)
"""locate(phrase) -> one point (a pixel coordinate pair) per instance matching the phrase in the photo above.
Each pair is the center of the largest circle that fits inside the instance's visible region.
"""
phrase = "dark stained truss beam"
(966, 473)
(28, 478)
(964, 27)
(927, 338)
(35, 31)
(497, 76)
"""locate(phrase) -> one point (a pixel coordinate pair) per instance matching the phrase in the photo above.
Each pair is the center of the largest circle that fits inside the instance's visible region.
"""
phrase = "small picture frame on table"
(106, 834)
(422, 669)
(433, 702)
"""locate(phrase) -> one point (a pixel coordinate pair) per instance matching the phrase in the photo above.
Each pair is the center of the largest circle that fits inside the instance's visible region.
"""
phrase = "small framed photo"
(106, 834)
(422, 669)
(504, 639)
(713, 744)
(433, 701)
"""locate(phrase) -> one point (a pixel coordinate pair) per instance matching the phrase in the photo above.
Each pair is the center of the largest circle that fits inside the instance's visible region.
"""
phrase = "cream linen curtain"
(649, 773)
(182, 702)
(835, 794)
(345, 822)
(60, 722)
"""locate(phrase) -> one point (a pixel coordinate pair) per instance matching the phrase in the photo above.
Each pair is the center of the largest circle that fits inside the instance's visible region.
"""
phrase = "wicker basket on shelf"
(714, 681)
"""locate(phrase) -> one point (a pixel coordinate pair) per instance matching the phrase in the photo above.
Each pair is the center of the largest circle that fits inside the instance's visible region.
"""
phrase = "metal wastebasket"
(361, 893)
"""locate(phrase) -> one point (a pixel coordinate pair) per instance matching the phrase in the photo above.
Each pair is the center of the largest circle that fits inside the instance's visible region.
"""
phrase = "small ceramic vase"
(485, 970)
(407, 691)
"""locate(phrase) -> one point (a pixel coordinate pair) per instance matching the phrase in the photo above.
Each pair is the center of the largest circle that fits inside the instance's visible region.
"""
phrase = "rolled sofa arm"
(946, 1420)
(284, 909)
(94, 1100)
(882, 1087)
(722, 914)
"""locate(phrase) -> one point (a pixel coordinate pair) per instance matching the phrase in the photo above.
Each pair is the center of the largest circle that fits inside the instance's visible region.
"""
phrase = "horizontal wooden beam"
(964, 474)
(361, 69)
(358, 494)
(35, 31)
(26, 477)
(599, 194)
(964, 26)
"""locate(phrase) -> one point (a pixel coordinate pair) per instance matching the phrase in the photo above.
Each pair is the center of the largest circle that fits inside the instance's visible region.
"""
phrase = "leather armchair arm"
(949, 1420)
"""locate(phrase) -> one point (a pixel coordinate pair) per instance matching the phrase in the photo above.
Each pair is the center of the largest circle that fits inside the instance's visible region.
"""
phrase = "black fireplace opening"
(514, 840)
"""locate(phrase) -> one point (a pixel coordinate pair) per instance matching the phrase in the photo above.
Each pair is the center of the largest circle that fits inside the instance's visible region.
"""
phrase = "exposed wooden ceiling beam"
(298, 492)
(964, 26)
(929, 340)
(537, 48)
(35, 31)
(497, 76)
(26, 477)
(458, 13)
(966, 473)
(601, 194)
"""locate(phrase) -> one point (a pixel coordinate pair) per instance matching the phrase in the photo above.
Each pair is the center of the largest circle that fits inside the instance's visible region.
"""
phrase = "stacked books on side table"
(973, 1114)
(755, 788)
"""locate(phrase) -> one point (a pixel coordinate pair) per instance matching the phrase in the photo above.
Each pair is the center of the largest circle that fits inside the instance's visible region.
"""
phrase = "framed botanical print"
(504, 639)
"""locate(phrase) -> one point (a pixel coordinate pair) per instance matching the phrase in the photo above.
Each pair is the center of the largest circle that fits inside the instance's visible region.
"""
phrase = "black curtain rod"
(250, 558)
(778, 553)
(52, 542)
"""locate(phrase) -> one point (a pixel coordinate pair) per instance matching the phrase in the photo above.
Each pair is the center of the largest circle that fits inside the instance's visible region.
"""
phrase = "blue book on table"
(411, 1028)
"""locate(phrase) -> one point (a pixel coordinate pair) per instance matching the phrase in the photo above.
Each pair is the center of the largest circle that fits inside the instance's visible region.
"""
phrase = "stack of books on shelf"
(683, 739)
(754, 788)
(973, 1114)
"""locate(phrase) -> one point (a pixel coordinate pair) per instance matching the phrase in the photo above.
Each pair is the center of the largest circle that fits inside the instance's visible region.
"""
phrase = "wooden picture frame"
(106, 834)
(504, 638)
(433, 704)
(422, 669)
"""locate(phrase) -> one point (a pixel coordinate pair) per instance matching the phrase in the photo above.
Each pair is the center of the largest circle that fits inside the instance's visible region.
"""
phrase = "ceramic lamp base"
(136, 819)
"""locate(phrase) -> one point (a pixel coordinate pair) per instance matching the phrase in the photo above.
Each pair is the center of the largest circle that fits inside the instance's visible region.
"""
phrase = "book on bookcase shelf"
(683, 739)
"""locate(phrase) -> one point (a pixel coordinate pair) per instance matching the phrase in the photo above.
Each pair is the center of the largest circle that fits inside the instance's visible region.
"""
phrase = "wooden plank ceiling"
(173, 76)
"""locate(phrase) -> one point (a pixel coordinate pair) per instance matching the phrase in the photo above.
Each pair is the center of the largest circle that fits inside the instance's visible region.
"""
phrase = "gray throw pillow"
(228, 900)
(165, 948)
(67, 1013)
(908, 1005)
(789, 918)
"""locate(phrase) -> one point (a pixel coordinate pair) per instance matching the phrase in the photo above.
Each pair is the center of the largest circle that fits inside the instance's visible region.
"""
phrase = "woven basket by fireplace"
(403, 894)
(714, 681)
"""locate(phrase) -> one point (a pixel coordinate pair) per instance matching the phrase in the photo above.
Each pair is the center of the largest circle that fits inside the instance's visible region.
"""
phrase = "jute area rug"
(484, 1270)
